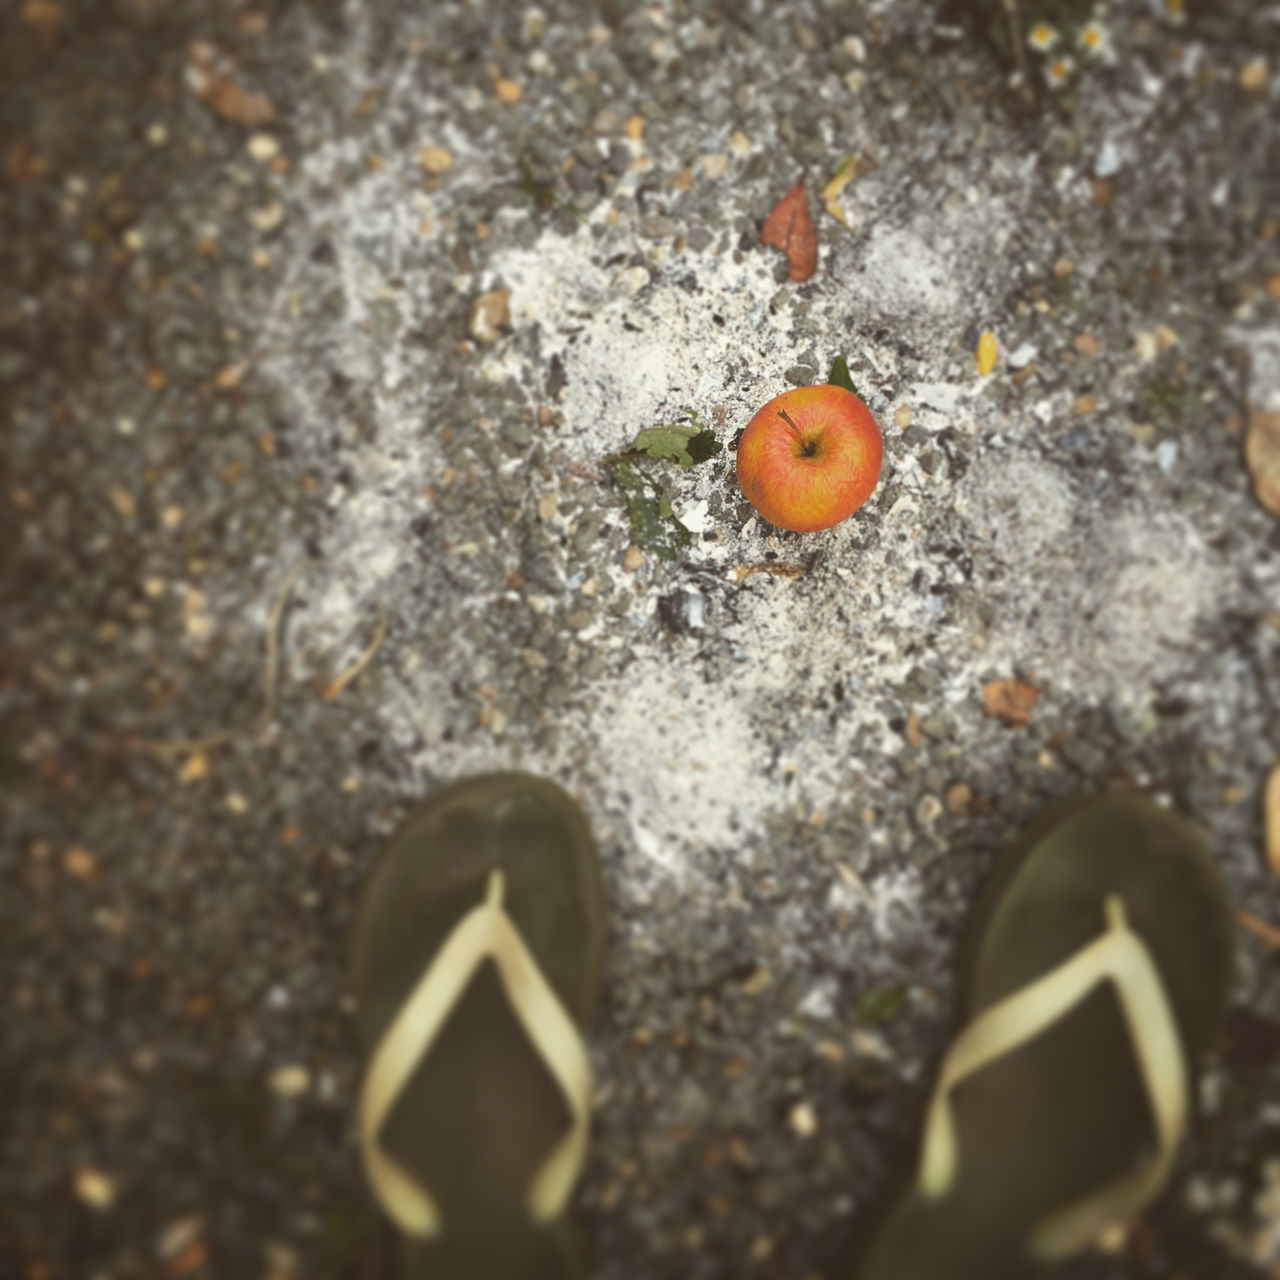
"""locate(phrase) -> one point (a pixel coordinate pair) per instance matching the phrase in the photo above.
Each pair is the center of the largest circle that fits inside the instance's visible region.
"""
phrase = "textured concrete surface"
(252, 431)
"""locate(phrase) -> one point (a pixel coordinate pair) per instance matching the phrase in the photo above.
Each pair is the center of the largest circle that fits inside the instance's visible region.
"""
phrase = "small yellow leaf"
(844, 175)
(987, 354)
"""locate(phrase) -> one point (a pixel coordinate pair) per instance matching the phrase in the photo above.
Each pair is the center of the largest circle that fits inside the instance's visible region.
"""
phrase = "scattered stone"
(436, 160)
(490, 314)
(1086, 344)
(958, 798)
(534, 658)
(178, 1237)
(123, 501)
(194, 768)
(509, 91)
(263, 148)
(803, 1120)
(1253, 75)
(632, 559)
(914, 731)
(1084, 405)
(267, 218)
(79, 863)
(1063, 268)
(715, 165)
(290, 1081)
(929, 810)
(94, 1188)
(758, 982)
(902, 416)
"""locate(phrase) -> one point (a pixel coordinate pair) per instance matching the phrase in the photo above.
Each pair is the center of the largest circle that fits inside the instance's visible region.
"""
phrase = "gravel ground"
(317, 325)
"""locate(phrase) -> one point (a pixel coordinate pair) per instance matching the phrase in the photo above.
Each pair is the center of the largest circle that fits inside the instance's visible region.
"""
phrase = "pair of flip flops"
(1097, 975)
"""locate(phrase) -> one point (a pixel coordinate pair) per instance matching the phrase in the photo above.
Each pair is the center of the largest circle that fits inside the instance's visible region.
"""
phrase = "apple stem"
(799, 435)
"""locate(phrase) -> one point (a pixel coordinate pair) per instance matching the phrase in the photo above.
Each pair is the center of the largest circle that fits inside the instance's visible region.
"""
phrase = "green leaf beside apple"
(653, 519)
(840, 376)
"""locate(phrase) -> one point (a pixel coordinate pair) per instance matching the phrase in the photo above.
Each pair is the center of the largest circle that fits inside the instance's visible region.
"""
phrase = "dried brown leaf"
(1262, 453)
(790, 228)
(212, 77)
(1010, 701)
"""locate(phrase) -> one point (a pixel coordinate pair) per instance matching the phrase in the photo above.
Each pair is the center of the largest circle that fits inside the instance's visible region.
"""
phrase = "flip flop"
(1096, 977)
(477, 957)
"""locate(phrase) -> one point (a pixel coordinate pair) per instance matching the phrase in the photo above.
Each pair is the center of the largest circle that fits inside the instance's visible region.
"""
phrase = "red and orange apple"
(810, 458)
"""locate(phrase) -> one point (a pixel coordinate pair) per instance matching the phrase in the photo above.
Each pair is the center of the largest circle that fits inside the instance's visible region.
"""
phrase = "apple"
(810, 458)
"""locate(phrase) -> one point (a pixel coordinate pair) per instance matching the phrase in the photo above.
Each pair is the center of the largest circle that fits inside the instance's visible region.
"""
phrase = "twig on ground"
(165, 747)
(340, 682)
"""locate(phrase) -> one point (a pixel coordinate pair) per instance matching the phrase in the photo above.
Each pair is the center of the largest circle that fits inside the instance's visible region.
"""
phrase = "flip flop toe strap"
(486, 932)
(1119, 956)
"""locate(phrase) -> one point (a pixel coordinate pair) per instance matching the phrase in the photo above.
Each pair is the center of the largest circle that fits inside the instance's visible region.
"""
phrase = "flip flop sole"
(482, 1111)
(1066, 1112)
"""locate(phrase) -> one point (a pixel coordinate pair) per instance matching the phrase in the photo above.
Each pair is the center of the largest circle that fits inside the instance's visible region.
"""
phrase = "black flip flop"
(1097, 976)
(478, 954)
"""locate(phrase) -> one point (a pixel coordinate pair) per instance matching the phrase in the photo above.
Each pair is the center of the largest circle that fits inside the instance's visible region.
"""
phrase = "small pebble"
(633, 559)
(290, 1081)
(94, 1188)
(268, 217)
(263, 148)
(509, 92)
(958, 797)
(929, 810)
(1253, 75)
(803, 1120)
(436, 160)
(79, 863)
(715, 165)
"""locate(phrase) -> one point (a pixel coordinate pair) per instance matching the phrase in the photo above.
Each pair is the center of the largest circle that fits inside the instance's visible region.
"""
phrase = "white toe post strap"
(1120, 956)
(483, 933)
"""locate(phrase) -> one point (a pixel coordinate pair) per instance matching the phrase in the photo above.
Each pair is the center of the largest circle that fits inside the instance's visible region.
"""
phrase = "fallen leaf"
(987, 354)
(1262, 453)
(840, 375)
(489, 313)
(844, 175)
(211, 76)
(1271, 819)
(1010, 701)
(790, 228)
